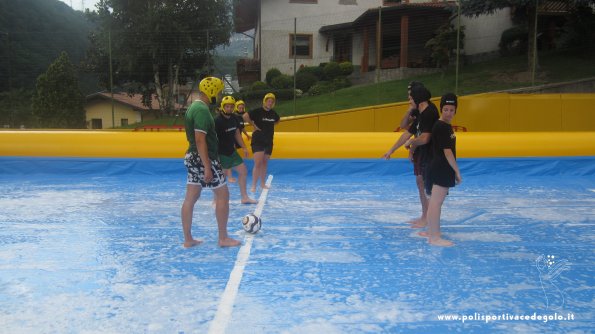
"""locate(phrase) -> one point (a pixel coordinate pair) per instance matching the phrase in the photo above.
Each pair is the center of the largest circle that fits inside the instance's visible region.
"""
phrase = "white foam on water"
(483, 236)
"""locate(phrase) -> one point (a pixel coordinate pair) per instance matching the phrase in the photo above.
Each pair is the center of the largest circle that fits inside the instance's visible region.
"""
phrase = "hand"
(208, 175)
(386, 155)
(245, 152)
(411, 155)
(458, 178)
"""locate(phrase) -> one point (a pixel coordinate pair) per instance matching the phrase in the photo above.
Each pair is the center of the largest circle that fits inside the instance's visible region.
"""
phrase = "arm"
(412, 144)
(247, 119)
(407, 119)
(450, 157)
(240, 142)
(203, 152)
(402, 139)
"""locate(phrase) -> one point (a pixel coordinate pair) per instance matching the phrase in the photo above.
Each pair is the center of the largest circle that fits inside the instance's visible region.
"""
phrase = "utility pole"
(9, 59)
(458, 46)
(111, 77)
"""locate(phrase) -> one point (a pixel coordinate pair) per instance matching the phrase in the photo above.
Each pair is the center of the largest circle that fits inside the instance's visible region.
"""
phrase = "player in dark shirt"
(443, 171)
(418, 146)
(263, 120)
(228, 133)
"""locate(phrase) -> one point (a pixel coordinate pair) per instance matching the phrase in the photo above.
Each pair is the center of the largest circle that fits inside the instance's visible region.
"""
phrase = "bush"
(321, 87)
(283, 81)
(304, 80)
(341, 82)
(332, 70)
(346, 68)
(315, 70)
(255, 97)
(513, 41)
(272, 74)
(444, 44)
(258, 85)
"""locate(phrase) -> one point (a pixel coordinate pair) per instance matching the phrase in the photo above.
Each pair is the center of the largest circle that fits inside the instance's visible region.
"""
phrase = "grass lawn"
(495, 75)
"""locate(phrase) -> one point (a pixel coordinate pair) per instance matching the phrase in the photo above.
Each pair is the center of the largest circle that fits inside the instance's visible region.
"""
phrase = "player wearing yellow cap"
(202, 163)
(263, 120)
(228, 132)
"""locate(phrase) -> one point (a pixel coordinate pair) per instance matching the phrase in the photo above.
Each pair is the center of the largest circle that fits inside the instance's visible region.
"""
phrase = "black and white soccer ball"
(251, 223)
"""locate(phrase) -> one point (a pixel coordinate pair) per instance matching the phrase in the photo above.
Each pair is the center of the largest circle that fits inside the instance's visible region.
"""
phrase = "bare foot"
(253, 189)
(192, 243)
(418, 225)
(264, 186)
(231, 180)
(441, 242)
(249, 200)
(424, 234)
(229, 242)
(416, 221)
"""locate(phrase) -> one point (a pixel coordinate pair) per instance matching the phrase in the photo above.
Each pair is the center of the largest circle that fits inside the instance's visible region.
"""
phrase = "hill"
(32, 35)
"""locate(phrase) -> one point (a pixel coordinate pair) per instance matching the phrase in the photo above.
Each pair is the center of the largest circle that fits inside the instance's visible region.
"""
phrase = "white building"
(371, 34)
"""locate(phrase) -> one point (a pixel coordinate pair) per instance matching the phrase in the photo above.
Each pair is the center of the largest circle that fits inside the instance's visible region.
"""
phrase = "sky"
(78, 4)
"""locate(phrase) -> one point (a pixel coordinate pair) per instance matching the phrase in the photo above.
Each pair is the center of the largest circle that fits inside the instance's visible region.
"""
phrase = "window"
(303, 46)
(123, 121)
(96, 123)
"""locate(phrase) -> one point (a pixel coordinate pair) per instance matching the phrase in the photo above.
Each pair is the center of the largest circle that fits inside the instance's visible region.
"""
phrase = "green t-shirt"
(199, 118)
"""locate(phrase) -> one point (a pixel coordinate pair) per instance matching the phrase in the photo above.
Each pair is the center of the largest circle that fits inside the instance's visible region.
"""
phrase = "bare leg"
(222, 215)
(256, 171)
(229, 175)
(421, 222)
(263, 175)
(434, 211)
(242, 176)
(192, 195)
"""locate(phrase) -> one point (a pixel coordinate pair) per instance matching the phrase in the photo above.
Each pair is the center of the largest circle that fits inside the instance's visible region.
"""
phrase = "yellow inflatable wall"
(493, 112)
(288, 145)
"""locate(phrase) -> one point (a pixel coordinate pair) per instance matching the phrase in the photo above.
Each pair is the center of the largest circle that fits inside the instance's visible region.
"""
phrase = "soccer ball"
(251, 223)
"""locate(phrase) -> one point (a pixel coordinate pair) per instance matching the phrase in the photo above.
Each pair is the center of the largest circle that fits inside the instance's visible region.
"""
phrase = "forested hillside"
(33, 33)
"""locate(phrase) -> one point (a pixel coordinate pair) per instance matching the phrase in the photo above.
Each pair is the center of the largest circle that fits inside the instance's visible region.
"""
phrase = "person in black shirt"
(228, 133)
(240, 110)
(443, 169)
(263, 120)
(408, 122)
(419, 152)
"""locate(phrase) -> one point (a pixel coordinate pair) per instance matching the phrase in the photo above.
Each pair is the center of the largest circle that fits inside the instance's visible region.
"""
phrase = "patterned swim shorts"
(196, 171)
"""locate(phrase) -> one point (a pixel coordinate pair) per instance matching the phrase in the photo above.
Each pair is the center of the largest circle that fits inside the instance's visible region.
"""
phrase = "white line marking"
(225, 308)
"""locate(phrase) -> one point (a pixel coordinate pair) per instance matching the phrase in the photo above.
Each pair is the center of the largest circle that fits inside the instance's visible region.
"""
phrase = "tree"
(478, 7)
(58, 101)
(157, 44)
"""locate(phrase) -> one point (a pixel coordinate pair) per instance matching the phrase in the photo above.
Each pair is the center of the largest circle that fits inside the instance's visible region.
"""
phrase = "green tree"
(157, 44)
(58, 101)
(444, 44)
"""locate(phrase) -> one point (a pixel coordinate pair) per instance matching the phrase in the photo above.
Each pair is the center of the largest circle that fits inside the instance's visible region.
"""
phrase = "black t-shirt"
(240, 118)
(413, 126)
(265, 121)
(443, 137)
(425, 124)
(226, 132)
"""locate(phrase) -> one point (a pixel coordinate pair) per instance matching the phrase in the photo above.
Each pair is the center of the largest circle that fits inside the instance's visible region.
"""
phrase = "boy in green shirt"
(202, 162)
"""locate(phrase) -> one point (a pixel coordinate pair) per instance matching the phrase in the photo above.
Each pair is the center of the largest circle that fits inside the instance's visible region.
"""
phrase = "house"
(127, 109)
(388, 35)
